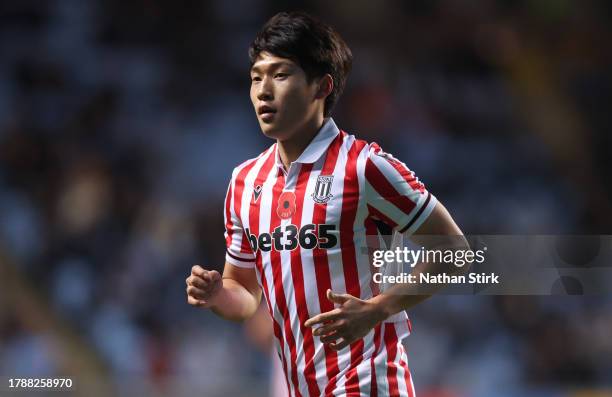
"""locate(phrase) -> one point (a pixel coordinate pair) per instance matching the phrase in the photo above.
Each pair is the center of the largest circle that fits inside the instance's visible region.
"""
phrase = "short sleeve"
(238, 249)
(394, 194)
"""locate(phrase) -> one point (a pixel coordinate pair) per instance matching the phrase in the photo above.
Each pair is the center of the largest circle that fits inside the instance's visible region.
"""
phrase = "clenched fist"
(203, 287)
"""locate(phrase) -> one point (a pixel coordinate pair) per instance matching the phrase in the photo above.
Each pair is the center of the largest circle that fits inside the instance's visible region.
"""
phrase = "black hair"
(314, 46)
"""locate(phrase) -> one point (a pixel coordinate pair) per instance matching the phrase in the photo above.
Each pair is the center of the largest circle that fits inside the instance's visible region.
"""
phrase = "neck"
(291, 148)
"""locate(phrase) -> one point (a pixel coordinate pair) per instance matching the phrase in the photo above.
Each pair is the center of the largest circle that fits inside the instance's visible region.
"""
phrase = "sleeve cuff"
(418, 215)
(239, 261)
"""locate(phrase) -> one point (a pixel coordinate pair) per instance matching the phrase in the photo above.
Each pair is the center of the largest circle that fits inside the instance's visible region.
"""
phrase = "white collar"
(319, 145)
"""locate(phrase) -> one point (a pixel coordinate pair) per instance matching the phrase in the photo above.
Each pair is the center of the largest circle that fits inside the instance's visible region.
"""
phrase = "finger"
(198, 270)
(197, 293)
(214, 275)
(323, 317)
(197, 282)
(329, 338)
(337, 298)
(329, 327)
(191, 290)
(341, 344)
(195, 302)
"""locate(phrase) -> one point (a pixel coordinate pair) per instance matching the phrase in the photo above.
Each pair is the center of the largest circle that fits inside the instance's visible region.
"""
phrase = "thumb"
(337, 298)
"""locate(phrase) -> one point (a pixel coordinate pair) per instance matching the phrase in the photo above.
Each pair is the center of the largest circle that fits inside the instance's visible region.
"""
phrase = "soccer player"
(297, 217)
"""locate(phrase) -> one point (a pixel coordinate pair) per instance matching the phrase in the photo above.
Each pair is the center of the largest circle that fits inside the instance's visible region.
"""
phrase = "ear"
(325, 86)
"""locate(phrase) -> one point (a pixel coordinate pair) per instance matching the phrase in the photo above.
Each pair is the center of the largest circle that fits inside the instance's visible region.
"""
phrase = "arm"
(404, 296)
(356, 317)
(234, 296)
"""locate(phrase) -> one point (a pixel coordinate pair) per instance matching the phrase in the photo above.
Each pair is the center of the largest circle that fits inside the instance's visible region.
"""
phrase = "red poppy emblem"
(286, 205)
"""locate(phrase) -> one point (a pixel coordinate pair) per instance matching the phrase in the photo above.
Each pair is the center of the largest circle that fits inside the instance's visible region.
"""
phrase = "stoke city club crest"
(322, 190)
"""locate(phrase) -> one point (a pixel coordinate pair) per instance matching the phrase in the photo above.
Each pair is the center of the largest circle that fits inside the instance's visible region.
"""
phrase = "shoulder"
(240, 171)
(370, 150)
(352, 143)
(375, 154)
(364, 154)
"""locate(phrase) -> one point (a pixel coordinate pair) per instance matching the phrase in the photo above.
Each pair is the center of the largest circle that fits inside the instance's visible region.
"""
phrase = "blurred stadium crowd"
(120, 123)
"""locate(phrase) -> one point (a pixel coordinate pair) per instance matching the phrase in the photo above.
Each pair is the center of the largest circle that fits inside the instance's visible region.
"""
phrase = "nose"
(265, 90)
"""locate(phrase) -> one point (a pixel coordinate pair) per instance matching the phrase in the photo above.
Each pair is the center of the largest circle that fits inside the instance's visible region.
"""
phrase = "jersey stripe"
(364, 267)
(404, 171)
(379, 181)
(391, 346)
(234, 234)
(298, 282)
(229, 225)
(238, 190)
(379, 215)
(290, 289)
(373, 244)
(321, 263)
(254, 228)
(350, 201)
(407, 378)
(309, 272)
(374, 383)
(278, 285)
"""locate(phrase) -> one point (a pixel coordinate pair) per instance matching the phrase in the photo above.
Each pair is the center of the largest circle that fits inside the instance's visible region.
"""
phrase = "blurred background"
(120, 123)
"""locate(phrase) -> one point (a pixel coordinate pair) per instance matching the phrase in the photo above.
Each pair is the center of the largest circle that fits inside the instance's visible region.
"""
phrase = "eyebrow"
(271, 65)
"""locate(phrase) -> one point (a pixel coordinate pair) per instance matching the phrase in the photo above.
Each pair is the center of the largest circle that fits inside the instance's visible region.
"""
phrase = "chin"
(271, 131)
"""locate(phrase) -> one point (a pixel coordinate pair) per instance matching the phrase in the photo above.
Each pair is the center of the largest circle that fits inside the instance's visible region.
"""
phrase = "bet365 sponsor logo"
(289, 237)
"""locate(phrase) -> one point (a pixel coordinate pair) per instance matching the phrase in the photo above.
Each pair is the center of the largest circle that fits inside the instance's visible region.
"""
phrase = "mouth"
(266, 112)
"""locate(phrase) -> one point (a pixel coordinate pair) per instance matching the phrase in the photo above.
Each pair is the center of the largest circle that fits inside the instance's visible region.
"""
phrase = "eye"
(255, 78)
(281, 75)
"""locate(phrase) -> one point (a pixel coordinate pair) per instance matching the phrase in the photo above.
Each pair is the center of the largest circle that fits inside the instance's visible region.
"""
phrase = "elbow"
(238, 319)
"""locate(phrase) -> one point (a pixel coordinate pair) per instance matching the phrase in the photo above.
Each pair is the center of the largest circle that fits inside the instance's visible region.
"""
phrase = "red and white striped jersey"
(304, 231)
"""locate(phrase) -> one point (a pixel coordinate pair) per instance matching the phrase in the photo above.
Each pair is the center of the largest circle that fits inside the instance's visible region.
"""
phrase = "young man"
(297, 217)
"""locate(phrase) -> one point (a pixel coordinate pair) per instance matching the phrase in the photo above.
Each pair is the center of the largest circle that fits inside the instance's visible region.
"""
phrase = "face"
(282, 97)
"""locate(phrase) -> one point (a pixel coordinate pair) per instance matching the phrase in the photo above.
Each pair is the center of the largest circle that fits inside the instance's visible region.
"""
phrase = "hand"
(203, 287)
(346, 324)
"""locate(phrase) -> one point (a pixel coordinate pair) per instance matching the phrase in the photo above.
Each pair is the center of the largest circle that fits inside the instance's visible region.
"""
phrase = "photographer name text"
(441, 278)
